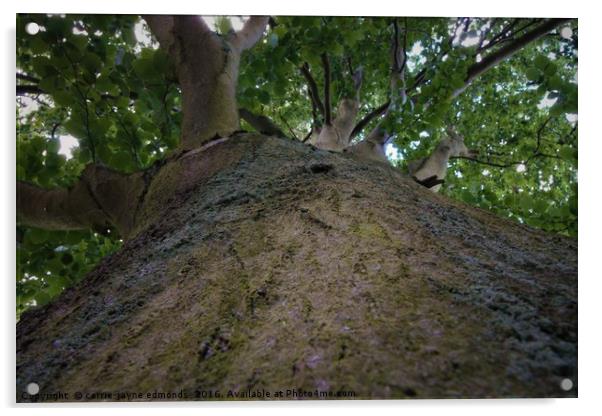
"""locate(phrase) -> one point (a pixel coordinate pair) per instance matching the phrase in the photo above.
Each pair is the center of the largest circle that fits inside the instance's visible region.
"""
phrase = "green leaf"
(79, 41)
(551, 69)
(556, 110)
(120, 160)
(38, 45)
(74, 237)
(338, 49)
(63, 97)
(533, 74)
(37, 235)
(573, 204)
(129, 36)
(273, 40)
(67, 258)
(42, 297)
(541, 62)
(43, 66)
(555, 82)
(92, 63)
(75, 126)
(526, 202)
(568, 153)
(264, 97)
(144, 67)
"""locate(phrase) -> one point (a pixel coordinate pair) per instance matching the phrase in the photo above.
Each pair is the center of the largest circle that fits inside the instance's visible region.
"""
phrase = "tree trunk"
(263, 263)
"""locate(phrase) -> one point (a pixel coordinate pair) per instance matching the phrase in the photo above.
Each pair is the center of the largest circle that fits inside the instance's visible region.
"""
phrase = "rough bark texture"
(274, 265)
(207, 68)
(100, 199)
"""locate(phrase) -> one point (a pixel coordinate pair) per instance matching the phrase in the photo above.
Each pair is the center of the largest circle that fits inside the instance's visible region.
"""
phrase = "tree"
(177, 250)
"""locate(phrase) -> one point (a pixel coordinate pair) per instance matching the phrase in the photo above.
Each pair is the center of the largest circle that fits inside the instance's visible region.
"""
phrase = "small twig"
(349, 65)
(290, 129)
(26, 77)
(56, 126)
(488, 163)
(306, 138)
(536, 152)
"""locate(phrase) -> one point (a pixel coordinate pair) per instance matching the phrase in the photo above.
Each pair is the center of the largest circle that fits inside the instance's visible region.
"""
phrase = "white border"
(590, 147)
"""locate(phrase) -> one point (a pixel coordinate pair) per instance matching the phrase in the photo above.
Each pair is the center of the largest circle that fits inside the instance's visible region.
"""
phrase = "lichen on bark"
(271, 266)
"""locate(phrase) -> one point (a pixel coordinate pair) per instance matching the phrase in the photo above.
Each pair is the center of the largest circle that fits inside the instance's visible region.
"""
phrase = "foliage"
(102, 80)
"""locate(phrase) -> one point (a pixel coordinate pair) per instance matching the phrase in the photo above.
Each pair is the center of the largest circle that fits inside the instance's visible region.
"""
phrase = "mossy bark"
(263, 263)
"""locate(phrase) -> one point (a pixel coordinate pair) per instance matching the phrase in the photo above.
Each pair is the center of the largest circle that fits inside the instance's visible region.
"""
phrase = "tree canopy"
(102, 83)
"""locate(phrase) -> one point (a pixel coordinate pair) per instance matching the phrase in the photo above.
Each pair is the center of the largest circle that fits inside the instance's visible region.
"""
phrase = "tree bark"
(207, 68)
(264, 263)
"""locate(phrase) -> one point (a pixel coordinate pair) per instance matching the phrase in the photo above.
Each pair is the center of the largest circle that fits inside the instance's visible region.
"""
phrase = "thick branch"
(372, 147)
(250, 33)
(399, 63)
(57, 209)
(396, 62)
(261, 123)
(207, 67)
(101, 198)
(313, 90)
(397, 74)
(162, 28)
(377, 112)
(327, 107)
(379, 135)
(60, 209)
(429, 182)
(507, 51)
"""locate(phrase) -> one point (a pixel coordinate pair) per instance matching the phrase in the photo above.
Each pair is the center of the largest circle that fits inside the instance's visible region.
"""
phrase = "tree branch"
(162, 27)
(250, 33)
(398, 64)
(28, 89)
(505, 35)
(327, 105)
(313, 92)
(261, 123)
(26, 77)
(397, 72)
(420, 77)
(429, 182)
(307, 136)
(536, 152)
(507, 51)
(377, 112)
(488, 163)
(288, 126)
(207, 67)
(57, 209)
(505, 30)
(99, 199)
